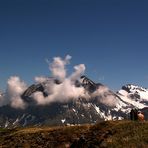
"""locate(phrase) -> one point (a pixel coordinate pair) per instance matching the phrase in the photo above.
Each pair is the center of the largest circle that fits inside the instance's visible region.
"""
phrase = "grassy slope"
(104, 134)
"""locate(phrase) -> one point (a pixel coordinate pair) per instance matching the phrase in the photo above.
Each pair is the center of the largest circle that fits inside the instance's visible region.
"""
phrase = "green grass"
(118, 134)
(129, 134)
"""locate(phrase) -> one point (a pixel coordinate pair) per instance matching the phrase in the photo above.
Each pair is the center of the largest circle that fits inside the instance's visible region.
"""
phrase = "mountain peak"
(102, 104)
(134, 88)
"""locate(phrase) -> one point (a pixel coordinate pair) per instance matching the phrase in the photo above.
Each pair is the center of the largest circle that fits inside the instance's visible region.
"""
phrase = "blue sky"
(109, 36)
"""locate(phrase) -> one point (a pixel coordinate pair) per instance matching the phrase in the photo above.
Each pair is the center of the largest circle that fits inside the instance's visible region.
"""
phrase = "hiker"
(134, 114)
(140, 116)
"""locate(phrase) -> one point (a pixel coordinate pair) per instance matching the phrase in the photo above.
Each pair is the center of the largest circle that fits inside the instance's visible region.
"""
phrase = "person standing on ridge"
(140, 116)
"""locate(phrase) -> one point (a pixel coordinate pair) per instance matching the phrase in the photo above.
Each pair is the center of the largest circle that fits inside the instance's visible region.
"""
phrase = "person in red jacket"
(140, 116)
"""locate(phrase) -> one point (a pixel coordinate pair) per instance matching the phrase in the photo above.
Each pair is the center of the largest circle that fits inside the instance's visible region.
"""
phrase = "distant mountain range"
(106, 105)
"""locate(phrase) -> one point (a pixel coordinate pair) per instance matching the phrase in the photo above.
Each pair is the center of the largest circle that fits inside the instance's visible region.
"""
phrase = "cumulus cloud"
(105, 96)
(12, 96)
(15, 87)
(79, 70)
(40, 79)
(57, 67)
(60, 93)
(67, 89)
(63, 91)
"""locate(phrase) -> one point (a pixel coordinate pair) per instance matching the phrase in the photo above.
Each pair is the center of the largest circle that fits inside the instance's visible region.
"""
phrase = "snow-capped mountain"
(102, 104)
(134, 95)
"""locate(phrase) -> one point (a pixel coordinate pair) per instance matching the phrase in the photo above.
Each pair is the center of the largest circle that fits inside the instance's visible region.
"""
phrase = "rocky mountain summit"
(99, 103)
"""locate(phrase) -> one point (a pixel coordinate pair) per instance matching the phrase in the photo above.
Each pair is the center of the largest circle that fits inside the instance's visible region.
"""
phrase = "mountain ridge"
(104, 104)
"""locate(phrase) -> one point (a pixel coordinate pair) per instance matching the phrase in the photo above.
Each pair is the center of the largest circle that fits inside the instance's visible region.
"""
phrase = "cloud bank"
(57, 92)
(67, 89)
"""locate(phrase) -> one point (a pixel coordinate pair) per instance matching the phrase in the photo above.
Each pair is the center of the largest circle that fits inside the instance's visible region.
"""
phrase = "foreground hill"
(103, 134)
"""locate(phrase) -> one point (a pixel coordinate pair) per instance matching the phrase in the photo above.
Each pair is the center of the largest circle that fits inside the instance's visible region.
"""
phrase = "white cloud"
(15, 87)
